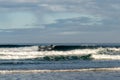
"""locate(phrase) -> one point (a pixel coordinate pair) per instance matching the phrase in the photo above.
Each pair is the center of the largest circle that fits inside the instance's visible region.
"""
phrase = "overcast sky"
(59, 21)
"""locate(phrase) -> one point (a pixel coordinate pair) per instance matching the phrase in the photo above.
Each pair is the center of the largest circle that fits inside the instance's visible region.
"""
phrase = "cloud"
(53, 7)
(16, 20)
(82, 23)
(84, 18)
(69, 33)
(5, 31)
(103, 8)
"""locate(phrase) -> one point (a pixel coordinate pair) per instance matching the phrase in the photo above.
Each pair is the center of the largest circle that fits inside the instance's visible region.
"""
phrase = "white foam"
(31, 52)
(106, 57)
(35, 54)
(19, 49)
(65, 70)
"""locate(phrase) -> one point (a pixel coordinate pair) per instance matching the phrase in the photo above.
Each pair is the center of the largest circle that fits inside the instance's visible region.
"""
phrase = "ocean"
(60, 60)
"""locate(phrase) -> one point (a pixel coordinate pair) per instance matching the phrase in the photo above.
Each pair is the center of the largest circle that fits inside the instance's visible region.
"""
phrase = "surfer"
(46, 48)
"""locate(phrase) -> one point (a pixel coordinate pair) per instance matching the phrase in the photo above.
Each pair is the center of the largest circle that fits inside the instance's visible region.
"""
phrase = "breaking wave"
(60, 52)
(18, 49)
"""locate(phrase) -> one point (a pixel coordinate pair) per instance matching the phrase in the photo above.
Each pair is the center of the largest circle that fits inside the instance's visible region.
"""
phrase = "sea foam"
(32, 52)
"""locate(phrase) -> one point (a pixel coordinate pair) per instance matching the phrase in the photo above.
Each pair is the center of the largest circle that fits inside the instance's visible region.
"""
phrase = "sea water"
(75, 58)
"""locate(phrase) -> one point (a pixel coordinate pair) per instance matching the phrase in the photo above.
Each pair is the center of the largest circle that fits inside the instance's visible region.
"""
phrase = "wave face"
(66, 52)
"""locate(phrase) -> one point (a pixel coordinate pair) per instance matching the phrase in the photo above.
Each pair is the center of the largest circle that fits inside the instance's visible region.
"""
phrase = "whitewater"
(59, 62)
(58, 57)
(31, 52)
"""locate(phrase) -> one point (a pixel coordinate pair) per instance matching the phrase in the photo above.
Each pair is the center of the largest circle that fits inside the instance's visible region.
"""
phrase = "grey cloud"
(102, 24)
(95, 7)
(79, 24)
(86, 24)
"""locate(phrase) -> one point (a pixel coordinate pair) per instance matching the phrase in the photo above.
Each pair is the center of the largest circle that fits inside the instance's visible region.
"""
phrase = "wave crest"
(19, 49)
(32, 52)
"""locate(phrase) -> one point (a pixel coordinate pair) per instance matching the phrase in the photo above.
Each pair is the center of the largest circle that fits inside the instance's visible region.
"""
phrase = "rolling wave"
(39, 52)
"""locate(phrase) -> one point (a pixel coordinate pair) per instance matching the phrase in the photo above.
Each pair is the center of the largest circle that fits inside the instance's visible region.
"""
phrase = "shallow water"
(63, 76)
(26, 58)
(56, 65)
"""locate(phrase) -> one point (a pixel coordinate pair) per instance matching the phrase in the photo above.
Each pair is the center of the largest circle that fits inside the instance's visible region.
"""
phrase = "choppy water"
(60, 62)
(63, 76)
(31, 52)
(57, 57)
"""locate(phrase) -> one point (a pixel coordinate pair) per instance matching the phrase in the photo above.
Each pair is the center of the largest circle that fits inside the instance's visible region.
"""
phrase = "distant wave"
(52, 47)
(19, 49)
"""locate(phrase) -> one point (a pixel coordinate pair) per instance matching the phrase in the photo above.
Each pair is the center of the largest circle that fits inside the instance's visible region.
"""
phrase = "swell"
(13, 46)
(20, 48)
